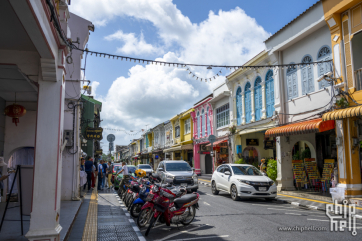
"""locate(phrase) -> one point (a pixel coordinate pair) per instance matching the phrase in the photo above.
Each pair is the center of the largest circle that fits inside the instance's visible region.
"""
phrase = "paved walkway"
(102, 217)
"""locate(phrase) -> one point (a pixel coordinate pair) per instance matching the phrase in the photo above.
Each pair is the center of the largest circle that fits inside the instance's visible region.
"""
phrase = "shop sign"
(252, 142)
(269, 144)
(99, 151)
(223, 150)
(205, 152)
(93, 133)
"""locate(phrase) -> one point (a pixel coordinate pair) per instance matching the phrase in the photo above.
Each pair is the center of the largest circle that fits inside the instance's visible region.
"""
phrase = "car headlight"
(245, 182)
(271, 183)
(195, 178)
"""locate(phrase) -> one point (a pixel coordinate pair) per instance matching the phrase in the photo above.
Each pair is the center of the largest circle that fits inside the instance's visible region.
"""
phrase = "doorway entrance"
(208, 164)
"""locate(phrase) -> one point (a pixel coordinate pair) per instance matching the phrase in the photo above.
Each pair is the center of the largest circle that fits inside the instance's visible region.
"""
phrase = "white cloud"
(94, 85)
(132, 44)
(151, 95)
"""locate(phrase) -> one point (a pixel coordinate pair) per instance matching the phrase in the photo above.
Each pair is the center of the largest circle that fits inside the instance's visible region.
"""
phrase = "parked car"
(114, 172)
(178, 173)
(146, 167)
(242, 181)
(117, 180)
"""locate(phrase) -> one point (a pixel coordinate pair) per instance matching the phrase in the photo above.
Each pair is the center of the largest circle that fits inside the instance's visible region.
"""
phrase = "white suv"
(242, 181)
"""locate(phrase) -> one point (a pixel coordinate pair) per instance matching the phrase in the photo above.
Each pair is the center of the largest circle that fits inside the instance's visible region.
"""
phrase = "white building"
(168, 138)
(305, 39)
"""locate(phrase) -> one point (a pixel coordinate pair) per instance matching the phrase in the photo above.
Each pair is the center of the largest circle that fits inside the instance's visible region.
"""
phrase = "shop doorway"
(189, 158)
(208, 164)
(250, 156)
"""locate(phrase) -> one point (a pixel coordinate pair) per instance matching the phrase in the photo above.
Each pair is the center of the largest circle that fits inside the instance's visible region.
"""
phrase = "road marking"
(178, 233)
(321, 220)
(293, 210)
(312, 200)
(266, 205)
(127, 214)
(294, 214)
(204, 180)
(213, 236)
(207, 204)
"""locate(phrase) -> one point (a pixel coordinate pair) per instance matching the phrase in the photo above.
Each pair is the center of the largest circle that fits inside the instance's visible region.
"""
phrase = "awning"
(257, 128)
(343, 113)
(176, 148)
(305, 127)
(217, 142)
(187, 147)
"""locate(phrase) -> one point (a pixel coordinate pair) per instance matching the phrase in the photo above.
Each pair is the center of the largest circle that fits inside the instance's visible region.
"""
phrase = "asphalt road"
(220, 218)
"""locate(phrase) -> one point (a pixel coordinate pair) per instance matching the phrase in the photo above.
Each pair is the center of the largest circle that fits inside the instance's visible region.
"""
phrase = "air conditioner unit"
(204, 148)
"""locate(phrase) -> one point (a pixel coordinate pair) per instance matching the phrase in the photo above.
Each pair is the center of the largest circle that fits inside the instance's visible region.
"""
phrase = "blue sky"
(203, 31)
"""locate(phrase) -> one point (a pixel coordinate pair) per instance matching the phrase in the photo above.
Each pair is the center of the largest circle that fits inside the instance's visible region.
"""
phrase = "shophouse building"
(158, 143)
(254, 102)
(168, 139)
(303, 139)
(202, 118)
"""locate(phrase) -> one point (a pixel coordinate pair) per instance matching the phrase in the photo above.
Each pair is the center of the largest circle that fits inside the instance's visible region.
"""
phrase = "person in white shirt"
(124, 170)
(100, 174)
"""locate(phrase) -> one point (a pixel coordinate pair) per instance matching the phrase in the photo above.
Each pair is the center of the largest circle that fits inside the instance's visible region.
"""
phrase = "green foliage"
(297, 156)
(255, 164)
(240, 161)
(342, 103)
(306, 154)
(271, 170)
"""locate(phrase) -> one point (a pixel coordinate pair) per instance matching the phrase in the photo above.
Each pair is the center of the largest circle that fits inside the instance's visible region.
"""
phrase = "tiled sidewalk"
(113, 222)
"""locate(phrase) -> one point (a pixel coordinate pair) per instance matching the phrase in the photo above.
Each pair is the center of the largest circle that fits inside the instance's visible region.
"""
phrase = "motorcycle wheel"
(190, 217)
(136, 209)
(128, 200)
(130, 203)
(143, 217)
(152, 222)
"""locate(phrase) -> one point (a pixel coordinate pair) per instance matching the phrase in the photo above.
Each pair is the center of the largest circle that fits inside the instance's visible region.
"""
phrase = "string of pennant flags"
(72, 46)
(130, 132)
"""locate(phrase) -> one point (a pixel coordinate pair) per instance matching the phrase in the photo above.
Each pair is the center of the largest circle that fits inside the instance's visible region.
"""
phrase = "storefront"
(306, 155)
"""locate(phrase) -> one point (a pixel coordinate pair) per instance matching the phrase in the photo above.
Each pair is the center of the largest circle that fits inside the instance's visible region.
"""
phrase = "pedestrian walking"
(125, 178)
(82, 161)
(105, 167)
(88, 167)
(95, 174)
(100, 175)
(110, 170)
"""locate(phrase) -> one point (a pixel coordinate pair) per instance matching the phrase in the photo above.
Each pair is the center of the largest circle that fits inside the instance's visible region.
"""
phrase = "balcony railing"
(358, 78)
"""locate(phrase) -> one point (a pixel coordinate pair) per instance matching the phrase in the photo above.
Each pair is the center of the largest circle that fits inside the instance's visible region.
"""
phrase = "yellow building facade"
(182, 128)
(344, 19)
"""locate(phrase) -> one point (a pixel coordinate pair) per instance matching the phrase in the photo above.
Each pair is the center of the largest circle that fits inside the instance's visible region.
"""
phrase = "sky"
(137, 96)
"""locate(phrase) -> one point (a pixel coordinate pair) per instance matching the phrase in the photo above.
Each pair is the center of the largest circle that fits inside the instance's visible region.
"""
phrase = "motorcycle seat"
(179, 202)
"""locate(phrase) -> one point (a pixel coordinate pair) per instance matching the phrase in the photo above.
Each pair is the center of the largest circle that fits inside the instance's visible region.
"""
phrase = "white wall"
(222, 130)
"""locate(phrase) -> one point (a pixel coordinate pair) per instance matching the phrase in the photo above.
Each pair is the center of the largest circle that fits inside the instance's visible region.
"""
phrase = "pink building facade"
(202, 118)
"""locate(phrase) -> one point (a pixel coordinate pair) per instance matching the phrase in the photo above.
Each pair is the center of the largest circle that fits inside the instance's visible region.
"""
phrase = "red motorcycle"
(171, 207)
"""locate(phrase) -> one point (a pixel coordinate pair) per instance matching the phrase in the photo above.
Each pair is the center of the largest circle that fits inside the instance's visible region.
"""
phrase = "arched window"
(324, 54)
(247, 103)
(269, 93)
(292, 81)
(307, 75)
(258, 101)
(208, 122)
(239, 110)
(197, 124)
(202, 123)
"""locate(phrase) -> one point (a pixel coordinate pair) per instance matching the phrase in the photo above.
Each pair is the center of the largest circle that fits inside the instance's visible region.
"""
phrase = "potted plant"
(232, 129)
(342, 103)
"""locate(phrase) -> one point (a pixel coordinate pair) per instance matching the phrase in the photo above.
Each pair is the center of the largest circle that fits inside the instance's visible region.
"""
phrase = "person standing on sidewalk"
(88, 167)
(105, 167)
(125, 178)
(95, 174)
(110, 170)
(100, 175)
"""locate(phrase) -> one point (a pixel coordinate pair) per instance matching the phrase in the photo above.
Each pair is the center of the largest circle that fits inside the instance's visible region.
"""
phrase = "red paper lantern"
(15, 111)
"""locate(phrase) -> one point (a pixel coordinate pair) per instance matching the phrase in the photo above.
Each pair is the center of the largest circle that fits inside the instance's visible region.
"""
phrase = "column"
(252, 105)
(263, 111)
(205, 134)
(211, 119)
(197, 159)
(44, 221)
(284, 164)
(243, 107)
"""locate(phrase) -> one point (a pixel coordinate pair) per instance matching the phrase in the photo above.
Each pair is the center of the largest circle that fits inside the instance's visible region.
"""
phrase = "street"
(220, 218)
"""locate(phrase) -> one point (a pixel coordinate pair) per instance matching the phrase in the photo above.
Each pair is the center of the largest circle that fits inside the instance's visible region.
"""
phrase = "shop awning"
(187, 147)
(176, 148)
(217, 142)
(305, 127)
(343, 113)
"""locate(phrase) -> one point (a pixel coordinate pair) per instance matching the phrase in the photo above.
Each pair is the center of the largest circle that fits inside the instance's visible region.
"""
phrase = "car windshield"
(171, 167)
(131, 169)
(144, 167)
(246, 170)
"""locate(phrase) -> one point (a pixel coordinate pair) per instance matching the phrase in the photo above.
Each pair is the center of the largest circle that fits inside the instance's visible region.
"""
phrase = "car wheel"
(234, 193)
(213, 188)
(270, 199)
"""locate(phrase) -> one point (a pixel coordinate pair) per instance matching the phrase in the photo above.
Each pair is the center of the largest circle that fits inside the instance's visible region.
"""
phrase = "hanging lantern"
(15, 111)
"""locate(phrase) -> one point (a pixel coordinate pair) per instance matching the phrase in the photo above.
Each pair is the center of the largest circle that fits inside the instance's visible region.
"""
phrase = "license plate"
(262, 189)
(183, 184)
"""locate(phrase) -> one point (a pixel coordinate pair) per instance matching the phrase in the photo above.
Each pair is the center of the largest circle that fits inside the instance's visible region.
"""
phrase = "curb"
(134, 225)
(303, 206)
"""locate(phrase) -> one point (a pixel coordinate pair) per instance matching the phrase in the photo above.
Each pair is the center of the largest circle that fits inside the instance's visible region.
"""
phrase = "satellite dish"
(111, 138)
